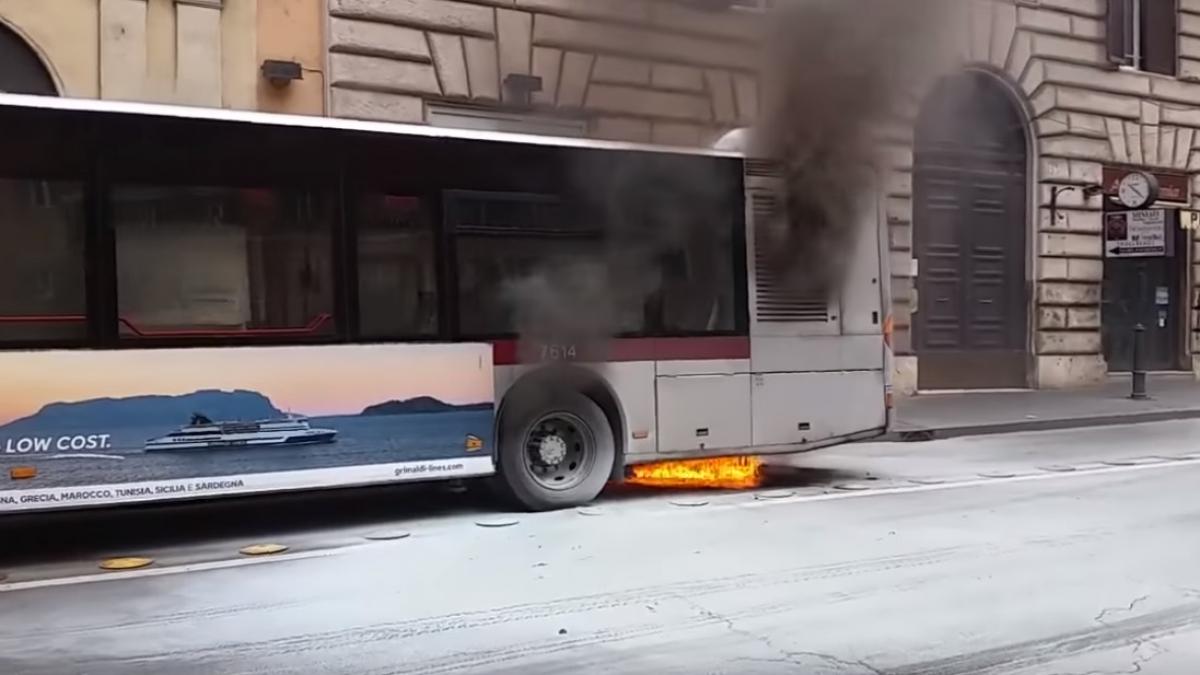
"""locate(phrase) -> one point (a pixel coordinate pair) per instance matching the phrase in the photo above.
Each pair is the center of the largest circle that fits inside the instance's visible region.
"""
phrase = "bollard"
(1139, 373)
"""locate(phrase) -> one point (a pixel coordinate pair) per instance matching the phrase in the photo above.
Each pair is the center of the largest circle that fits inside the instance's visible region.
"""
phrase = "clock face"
(1135, 190)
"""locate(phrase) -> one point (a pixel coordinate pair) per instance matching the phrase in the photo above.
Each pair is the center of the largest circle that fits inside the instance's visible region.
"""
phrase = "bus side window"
(43, 224)
(397, 278)
(198, 261)
(697, 287)
(42, 260)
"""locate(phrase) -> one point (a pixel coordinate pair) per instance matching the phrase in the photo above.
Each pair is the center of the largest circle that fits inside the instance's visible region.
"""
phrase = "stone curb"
(938, 433)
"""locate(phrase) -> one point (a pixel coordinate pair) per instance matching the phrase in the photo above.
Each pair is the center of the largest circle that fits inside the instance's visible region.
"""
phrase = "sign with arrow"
(1136, 234)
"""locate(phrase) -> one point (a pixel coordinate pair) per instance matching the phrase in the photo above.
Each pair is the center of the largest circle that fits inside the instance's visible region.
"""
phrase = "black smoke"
(833, 74)
(837, 73)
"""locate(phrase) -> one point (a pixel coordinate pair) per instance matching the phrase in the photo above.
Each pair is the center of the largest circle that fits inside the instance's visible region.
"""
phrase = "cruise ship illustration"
(204, 434)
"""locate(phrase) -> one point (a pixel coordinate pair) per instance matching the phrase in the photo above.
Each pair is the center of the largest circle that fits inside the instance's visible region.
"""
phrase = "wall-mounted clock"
(1137, 190)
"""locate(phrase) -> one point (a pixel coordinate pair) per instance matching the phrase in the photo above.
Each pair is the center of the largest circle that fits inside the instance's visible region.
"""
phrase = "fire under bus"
(197, 303)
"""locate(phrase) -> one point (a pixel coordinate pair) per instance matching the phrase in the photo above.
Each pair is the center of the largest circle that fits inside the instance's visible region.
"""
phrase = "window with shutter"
(1144, 34)
(1159, 36)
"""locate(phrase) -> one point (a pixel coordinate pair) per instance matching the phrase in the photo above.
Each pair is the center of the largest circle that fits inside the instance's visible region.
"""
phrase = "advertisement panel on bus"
(85, 428)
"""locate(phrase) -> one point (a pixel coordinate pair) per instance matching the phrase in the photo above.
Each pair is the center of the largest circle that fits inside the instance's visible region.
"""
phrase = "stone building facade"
(639, 71)
(190, 52)
(1091, 105)
(992, 204)
(999, 183)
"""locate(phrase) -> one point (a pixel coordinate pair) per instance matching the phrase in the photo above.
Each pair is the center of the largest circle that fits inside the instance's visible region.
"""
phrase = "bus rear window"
(198, 261)
(42, 260)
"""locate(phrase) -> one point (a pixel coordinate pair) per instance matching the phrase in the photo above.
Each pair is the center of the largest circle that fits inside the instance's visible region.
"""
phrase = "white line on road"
(165, 571)
(730, 506)
(981, 482)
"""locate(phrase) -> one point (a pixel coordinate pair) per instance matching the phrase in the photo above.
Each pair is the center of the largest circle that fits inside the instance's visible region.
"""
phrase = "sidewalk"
(938, 415)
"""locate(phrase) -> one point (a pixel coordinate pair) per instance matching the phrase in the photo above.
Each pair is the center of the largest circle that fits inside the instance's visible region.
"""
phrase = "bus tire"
(556, 452)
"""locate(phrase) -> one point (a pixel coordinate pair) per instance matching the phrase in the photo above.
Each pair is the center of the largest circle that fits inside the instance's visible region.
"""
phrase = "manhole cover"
(262, 549)
(126, 563)
(497, 522)
(1134, 461)
(927, 481)
(774, 494)
(589, 511)
(998, 474)
(852, 487)
(1058, 468)
(388, 535)
(689, 503)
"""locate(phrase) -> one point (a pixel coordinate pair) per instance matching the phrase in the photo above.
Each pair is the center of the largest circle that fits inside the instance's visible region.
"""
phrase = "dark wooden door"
(969, 216)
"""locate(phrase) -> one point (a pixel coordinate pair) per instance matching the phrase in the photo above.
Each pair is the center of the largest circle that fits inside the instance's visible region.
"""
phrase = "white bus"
(202, 302)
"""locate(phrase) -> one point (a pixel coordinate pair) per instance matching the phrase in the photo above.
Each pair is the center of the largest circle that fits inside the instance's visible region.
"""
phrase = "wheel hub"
(552, 450)
(559, 451)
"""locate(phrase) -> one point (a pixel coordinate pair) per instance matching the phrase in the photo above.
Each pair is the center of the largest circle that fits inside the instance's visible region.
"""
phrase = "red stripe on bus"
(507, 352)
(57, 318)
(316, 324)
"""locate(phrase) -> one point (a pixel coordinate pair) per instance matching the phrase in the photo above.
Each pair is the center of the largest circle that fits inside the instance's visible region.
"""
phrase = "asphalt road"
(1056, 552)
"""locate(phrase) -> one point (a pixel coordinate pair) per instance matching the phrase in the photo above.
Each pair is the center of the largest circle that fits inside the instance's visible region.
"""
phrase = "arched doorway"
(970, 325)
(21, 71)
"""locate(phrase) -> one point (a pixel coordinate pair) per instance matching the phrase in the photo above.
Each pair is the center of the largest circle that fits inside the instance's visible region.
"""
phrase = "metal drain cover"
(497, 522)
(388, 535)
(774, 494)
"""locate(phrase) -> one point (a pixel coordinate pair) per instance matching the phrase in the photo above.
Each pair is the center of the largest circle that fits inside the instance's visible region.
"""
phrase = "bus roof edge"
(8, 101)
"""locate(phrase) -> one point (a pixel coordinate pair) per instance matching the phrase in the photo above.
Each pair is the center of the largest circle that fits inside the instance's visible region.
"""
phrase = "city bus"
(203, 302)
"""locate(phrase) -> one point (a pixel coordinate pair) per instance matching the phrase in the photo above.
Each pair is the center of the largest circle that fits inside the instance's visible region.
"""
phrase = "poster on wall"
(80, 428)
(1136, 234)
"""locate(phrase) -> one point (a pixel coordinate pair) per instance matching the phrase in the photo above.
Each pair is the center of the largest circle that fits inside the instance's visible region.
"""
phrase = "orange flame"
(731, 473)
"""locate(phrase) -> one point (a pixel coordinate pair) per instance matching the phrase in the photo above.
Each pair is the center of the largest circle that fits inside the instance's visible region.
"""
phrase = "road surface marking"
(166, 571)
(750, 503)
(938, 487)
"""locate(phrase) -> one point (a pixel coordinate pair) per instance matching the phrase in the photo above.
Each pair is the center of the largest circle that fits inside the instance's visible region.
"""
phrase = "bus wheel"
(557, 454)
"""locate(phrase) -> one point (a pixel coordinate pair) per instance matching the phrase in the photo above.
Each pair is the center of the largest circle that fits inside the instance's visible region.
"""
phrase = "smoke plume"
(666, 225)
(834, 73)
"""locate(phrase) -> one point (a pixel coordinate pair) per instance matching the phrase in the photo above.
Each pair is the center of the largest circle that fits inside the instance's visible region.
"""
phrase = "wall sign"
(1162, 295)
(1136, 234)
(1172, 187)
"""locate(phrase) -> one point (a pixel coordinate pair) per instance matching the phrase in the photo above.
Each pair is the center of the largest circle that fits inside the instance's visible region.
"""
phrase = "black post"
(1139, 373)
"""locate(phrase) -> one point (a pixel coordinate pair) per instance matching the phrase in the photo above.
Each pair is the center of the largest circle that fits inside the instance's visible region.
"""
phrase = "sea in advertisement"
(87, 418)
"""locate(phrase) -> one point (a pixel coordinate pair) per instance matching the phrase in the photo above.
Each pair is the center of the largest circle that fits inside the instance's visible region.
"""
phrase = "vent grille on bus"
(762, 168)
(774, 303)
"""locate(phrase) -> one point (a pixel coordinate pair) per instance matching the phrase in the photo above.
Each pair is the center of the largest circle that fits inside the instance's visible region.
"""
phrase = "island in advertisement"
(82, 428)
